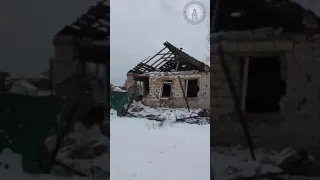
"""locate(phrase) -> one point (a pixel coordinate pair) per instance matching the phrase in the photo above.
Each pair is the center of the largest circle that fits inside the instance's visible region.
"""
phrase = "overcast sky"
(139, 29)
(27, 28)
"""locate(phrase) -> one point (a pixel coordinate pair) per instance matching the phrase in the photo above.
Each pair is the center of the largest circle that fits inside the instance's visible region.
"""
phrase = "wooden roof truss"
(168, 59)
(94, 24)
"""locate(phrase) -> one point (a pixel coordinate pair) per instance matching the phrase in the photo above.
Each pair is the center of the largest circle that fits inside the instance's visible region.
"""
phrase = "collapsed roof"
(169, 59)
(255, 14)
(90, 34)
(94, 24)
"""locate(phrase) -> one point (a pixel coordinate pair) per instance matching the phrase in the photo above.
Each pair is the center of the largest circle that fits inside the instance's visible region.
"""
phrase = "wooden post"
(245, 84)
(184, 94)
(215, 16)
(236, 101)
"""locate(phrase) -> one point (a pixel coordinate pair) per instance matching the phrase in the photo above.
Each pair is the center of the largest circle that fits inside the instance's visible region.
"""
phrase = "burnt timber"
(168, 59)
(90, 34)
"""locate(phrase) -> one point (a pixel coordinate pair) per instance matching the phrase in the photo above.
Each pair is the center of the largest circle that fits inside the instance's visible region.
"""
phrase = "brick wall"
(178, 100)
(130, 83)
(221, 103)
(299, 128)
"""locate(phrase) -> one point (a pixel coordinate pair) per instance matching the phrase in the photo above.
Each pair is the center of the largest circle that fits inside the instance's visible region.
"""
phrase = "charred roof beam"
(161, 58)
(95, 23)
(166, 60)
(155, 55)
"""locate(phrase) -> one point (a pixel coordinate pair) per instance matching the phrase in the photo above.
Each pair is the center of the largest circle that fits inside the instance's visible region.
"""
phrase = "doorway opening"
(264, 87)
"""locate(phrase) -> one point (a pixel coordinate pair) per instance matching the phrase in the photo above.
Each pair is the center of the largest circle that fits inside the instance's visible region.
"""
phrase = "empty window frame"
(192, 88)
(166, 89)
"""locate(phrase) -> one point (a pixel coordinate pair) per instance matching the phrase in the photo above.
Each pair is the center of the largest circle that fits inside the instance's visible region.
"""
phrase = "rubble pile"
(194, 116)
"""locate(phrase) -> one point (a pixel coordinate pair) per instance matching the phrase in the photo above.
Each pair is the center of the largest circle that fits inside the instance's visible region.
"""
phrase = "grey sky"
(139, 29)
(313, 5)
(27, 28)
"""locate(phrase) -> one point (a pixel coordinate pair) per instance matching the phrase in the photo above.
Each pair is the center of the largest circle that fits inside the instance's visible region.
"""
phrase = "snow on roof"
(151, 74)
(25, 84)
(118, 89)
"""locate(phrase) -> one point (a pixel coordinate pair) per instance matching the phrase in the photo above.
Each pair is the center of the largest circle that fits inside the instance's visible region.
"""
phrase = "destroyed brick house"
(271, 52)
(171, 78)
(81, 53)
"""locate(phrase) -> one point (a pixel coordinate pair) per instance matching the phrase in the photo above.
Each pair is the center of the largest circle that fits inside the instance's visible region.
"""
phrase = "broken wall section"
(299, 106)
(302, 99)
(202, 99)
(131, 83)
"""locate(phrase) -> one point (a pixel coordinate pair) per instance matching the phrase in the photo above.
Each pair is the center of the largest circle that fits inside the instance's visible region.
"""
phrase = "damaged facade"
(171, 78)
(82, 54)
(274, 65)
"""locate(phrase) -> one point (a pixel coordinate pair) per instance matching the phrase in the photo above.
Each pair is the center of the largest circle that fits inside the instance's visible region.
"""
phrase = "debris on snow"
(85, 151)
(137, 109)
(231, 163)
(203, 113)
(11, 169)
(300, 164)
(236, 163)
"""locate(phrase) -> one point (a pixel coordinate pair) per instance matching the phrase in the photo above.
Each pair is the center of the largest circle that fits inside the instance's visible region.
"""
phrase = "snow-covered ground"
(82, 145)
(170, 114)
(117, 89)
(229, 163)
(85, 151)
(11, 169)
(142, 149)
